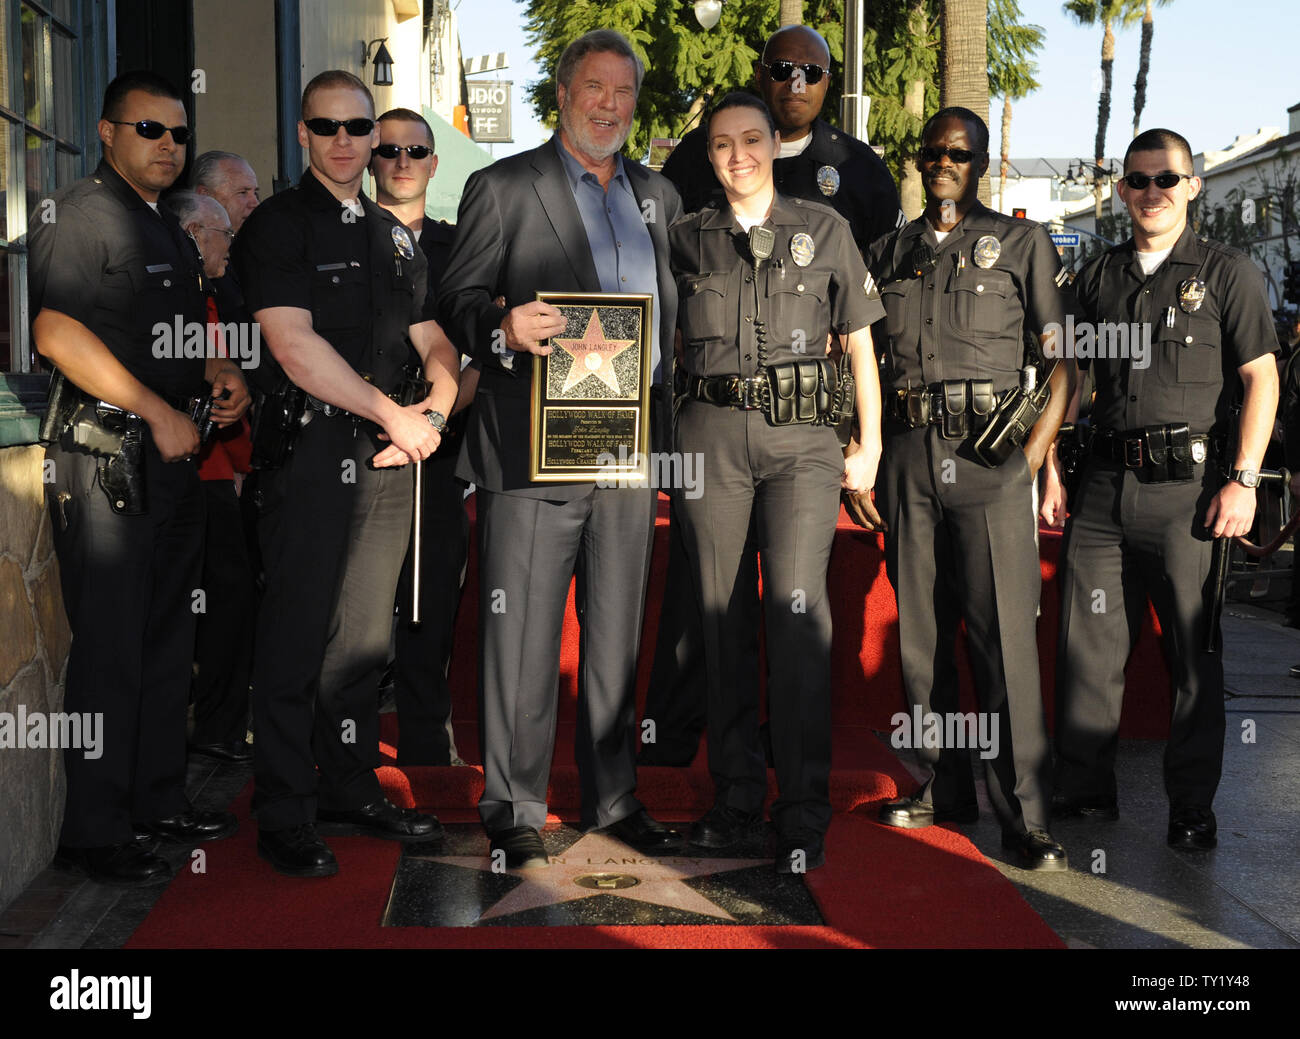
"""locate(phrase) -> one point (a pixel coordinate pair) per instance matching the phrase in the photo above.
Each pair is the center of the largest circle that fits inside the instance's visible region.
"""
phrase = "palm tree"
(1144, 63)
(964, 61)
(1108, 12)
(1011, 73)
(791, 12)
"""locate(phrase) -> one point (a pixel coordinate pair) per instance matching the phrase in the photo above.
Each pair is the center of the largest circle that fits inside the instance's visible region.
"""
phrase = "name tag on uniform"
(331, 266)
(157, 268)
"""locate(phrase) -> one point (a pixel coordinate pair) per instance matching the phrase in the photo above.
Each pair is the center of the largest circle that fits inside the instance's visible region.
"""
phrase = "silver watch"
(437, 420)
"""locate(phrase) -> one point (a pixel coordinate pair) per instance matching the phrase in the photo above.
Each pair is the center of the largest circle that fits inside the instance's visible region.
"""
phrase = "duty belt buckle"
(916, 405)
(753, 394)
(1133, 453)
(736, 391)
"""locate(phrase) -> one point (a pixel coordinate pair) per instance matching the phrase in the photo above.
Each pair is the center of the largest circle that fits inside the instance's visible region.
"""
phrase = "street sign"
(1063, 240)
(489, 111)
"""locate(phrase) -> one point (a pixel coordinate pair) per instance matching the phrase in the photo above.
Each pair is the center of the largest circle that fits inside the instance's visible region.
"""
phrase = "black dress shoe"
(644, 833)
(1192, 829)
(723, 827)
(381, 819)
(189, 827)
(910, 813)
(799, 855)
(1036, 850)
(523, 847)
(238, 751)
(1066, 807)
(297, 852)
(123, 865)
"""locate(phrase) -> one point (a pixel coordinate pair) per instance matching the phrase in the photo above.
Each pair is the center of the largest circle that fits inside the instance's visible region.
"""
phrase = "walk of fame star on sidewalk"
(659, 880)
(593, 354)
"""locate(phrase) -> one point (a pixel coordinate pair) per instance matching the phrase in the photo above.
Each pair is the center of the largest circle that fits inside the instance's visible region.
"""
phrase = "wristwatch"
(437, 420)
(1245, 477)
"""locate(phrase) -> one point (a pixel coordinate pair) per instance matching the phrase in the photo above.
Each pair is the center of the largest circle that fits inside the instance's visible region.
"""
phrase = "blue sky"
(1218, 70)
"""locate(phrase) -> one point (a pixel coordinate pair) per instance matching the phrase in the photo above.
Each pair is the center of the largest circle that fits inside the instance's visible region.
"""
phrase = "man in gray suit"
(569, 216)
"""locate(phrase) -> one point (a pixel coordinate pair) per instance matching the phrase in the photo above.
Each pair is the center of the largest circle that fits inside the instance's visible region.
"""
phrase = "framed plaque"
(591, 394)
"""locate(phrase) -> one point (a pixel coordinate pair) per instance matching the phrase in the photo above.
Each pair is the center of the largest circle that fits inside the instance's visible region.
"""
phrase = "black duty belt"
(730, 391)
(1165, 452)
(959, 407)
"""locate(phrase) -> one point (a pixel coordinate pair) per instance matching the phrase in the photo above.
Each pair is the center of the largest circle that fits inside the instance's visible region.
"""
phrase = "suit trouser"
(423, 653)
(960, 543)
(1127, 540)
(790, 477)
(224, 645)
(332, 534)
(529, 549)
(679, 679)
(127, 586)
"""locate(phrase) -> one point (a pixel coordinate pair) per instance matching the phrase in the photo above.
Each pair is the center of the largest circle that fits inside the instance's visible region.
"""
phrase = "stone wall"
(34, 641)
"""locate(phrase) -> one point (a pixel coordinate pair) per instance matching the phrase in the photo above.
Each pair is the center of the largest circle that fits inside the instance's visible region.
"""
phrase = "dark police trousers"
(791, 477)
(960, 543)
(423, 652)
(128, 584)
(332, 533)
(1126, 540)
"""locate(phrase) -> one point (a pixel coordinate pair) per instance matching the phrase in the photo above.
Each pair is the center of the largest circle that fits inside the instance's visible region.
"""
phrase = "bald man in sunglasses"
(1166, 478)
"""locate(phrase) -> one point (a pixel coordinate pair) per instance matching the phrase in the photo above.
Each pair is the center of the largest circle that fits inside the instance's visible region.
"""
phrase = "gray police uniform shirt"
(814, 283)
(112, 263)
(967, 318)
(1196, 344)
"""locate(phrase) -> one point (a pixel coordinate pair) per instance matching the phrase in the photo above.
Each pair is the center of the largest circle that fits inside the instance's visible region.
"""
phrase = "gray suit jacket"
(519, 231)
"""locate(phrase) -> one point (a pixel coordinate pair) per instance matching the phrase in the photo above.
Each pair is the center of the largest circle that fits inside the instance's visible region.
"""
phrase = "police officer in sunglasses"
(339, 287)
(816, 162)
(1165, 479)
(962, 288)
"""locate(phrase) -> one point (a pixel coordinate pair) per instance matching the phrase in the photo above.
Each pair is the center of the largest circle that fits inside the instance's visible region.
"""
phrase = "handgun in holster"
(413, 388)
(843, 401)
(1011, 423)
(277, 421)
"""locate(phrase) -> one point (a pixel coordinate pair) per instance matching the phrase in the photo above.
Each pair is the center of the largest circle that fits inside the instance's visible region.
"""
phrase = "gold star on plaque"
(601, 865)
(593, 354)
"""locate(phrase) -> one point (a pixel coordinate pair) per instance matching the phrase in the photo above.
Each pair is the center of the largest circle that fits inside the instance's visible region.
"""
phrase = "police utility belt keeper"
(114, 436)
(1169, 452)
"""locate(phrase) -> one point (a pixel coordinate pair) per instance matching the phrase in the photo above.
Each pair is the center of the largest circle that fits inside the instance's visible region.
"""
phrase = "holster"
(413, 388)
(122, 476)
(1009, 427)
(277, 421)
(843, 400)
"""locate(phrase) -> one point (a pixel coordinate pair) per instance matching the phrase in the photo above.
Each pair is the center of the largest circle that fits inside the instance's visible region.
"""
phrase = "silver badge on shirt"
(802, 249)
(828, 180)
(987, 251)
(402, 239)
(1191, 294)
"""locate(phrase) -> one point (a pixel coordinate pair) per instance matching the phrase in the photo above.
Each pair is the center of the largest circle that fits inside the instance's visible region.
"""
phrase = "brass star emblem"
(601, 865)
(593, 354)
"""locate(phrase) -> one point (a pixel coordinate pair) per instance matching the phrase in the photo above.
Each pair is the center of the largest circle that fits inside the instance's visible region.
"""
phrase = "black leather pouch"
(956, 415)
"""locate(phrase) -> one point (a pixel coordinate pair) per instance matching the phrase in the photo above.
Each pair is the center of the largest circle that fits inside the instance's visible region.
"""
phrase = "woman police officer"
(764, 280)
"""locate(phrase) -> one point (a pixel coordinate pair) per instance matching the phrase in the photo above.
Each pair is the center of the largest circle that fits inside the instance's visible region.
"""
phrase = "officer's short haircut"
(981, 135)
(787, 31)
(1158, 140)
(149, 82)
(189, 205)
(334, 78)
(405, 115)
(739, 99)
(598, 41)
(207, 168)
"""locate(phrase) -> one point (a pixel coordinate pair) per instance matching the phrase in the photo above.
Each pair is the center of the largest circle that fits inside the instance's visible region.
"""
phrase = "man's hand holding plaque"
(526, 327)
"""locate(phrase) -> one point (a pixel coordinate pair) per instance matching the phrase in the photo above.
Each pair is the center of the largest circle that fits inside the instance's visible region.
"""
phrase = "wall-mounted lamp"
(383, 62)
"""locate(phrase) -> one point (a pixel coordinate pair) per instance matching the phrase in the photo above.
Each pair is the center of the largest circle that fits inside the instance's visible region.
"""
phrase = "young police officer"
(961, 287)
(1154, 498)
(105, 270)
(337, 284)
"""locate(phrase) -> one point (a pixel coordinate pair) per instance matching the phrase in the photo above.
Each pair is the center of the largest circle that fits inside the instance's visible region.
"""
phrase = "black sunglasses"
(1139, 181)
(392, 151)
(151, 130)
(958, 155)
(330, 127)
(780, 71)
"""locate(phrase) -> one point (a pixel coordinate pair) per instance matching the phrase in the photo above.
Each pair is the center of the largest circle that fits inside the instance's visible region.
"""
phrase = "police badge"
(1191, 294)
(828, 180)
(987, 251)
(802, 249)
(402, 239)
